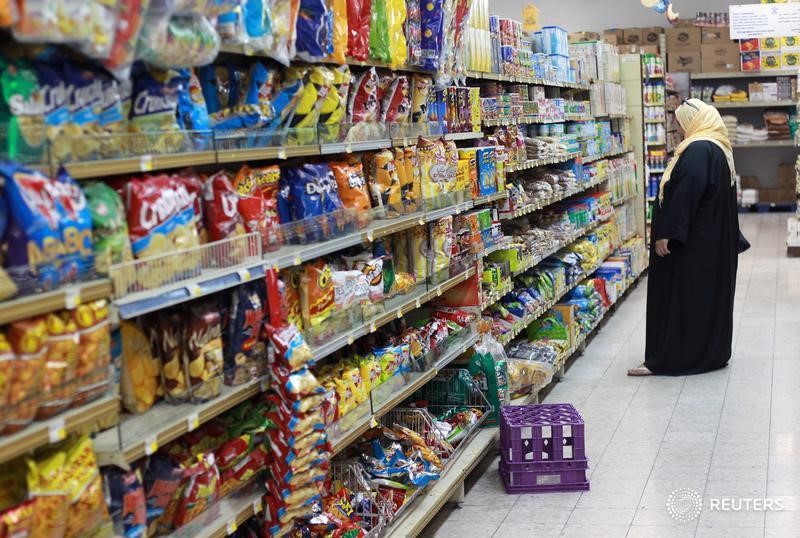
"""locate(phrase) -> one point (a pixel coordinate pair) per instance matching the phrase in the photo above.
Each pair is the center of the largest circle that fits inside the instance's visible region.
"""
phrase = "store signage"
(764, 20)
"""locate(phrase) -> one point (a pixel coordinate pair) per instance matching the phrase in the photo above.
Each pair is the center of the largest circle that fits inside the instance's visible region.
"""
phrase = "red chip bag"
(201, 490)
(364, 103)
(396, 101)
(191, 183)
(222, 208)
(358, 15)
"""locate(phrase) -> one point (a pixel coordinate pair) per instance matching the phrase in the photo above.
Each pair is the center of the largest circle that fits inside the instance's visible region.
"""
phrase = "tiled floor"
(734, 433)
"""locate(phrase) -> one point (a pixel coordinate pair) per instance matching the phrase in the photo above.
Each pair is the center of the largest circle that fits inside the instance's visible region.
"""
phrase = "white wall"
(597, 15)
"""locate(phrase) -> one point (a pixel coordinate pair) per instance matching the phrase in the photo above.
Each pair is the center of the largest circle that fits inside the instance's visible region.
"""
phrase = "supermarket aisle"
(733, 433)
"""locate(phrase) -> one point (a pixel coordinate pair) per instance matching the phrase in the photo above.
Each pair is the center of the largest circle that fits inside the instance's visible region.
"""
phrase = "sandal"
(640, 371)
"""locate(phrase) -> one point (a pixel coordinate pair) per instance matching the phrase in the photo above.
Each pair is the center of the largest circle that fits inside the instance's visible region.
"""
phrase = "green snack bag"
(379, 47)
(492, 378)
(109, 226)
(548, 327)
(22, 112)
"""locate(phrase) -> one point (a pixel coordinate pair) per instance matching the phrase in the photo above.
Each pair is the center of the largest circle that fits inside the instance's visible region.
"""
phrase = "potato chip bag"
(60, 364)
(358, 34)
(86, 99)
(125, 490)
(154, 107)
(379, 48)
(140, 369)
(190, 187)
(307, 194)
(290, 298)
(433, 167)
(48, 482)
(350, 288)
(314, 28)
(385, 183)
(334, 105)
(34, 237)
(372, 268)
(418, 243)
(53, 86)
(222, 208)
(109, 227)
(398, 47)
(167, 328)
(396, 102)
(317, 83)
(432, 33)
(203, 351)
(364, 105)
(23, 110)
(201, 490)
(400, 252)
(413, 32)
(162, 478)
(421, 87)
(352, 186)
(340, 31)
(18, 520)
(284, 19)
(316, 293)
(441, 241)
(87, 511)
(451, 157)
(77, 258)
(126, 32)
(245, 352)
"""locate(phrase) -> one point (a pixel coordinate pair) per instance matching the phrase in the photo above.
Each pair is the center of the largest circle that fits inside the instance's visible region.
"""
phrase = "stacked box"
(542, 448)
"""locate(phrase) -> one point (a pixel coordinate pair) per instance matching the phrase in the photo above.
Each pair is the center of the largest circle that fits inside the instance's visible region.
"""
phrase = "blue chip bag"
(34, 234)
(285, 103)
(432, 31)
(86, 98)
(285, 211)
(55, 93)
(314, 30)
(77, 257)
(154, 101)
(308, 197)
(257, 16)
(192, 111)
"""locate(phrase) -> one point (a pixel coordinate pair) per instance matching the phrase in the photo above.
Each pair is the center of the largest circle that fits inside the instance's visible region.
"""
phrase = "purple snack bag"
(431, 19)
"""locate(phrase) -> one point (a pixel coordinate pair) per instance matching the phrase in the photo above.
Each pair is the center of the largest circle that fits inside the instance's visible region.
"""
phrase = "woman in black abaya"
(693, 255)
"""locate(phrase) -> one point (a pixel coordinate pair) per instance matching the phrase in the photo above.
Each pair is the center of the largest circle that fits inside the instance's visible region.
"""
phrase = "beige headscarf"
(699, 122)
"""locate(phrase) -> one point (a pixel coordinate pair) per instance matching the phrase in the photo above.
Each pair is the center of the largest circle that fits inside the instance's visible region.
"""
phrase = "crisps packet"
(412, 196)
(358, 29)
(203, 351)
(418, 243)
(396, 104)
(140, 369)
(245, 352)
(385, 184)
(77, 258)
(432, 30)
(441, 241)
(314, 30)
(379, 48)
(316, 294)
(25, 120)
(127, 27)
(421, 87)
(413, 32)
(284, 18)
(364, 105)
(433, 168)
(397, 39)
(340, 31)
(221, 208)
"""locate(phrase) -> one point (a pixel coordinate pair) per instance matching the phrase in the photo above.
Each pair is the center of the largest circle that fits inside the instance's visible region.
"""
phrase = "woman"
(693, 256)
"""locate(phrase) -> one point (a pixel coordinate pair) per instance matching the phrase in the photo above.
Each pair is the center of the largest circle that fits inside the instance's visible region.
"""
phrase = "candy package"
(364, 105)
(385, 184)
(314, 28)
(245, 352)
(396, 104)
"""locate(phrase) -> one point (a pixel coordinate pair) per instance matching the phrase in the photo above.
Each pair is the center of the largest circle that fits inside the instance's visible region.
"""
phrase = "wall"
(597, 15)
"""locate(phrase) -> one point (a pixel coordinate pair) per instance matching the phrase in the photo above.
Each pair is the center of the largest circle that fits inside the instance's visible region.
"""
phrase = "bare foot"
(639, 371)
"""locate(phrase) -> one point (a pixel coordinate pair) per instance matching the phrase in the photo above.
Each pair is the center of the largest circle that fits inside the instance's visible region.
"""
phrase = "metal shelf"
(144, 163)
(70, 296)
(531, 208)
(525, 80)
(102, 413)
(766, 144)
(749, 74)
(754, 104)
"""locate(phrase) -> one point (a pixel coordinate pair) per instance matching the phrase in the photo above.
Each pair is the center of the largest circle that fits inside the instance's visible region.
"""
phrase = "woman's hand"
(662, 247)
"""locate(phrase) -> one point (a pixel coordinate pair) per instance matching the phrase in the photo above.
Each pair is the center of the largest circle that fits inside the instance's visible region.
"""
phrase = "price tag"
(57, 431)
(350, 340)
(72, 298)
(282, 153)
(275, 267)
(192, 422)
(248, 50)
(439, 291)
(421, 221)
(150, 445)
(348, 148)
(146, 163)
(297, 260)
(194, 290)
(372, 327)
(417, 303)
(258, 505)
(370, 235)
(264, 384)
(231, 527)
(244, 274)
(399, 313)
(373, 422)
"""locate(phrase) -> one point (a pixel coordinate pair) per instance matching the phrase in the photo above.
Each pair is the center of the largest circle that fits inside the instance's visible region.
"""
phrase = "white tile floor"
(734, 433)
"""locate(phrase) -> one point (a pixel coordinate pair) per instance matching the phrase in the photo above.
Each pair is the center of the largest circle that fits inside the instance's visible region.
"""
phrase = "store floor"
(733, 433)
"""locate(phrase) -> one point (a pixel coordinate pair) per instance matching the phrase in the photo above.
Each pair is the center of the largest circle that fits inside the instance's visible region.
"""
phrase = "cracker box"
(750, 61)
(749, 45)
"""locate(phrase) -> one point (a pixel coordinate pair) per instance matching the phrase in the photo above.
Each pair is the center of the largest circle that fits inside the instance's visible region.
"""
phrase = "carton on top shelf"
(683, 39)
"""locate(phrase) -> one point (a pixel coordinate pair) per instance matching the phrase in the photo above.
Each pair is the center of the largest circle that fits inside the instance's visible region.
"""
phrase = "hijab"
(699, 121)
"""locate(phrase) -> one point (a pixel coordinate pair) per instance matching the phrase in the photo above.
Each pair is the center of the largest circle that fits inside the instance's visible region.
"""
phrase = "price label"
(370, 235)
(373, 422)
(275, 267)
(244, 274)
(57, 431)
(194, 290)
(350, 340)
(297, 260)
(372, 327)
(421, 221)
(282, 153)
(264, 384)
(417, 303)
(231, 527)
(150, 445)
(258, 505)
(439, 291)
(192, 422)
(146, 163)
(248, 50)
(399, 313)
(72, 298)
(348, 148)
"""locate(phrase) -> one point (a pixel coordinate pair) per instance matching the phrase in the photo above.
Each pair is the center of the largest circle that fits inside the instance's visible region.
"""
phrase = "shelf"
(490, 198)
(624, 200)
(102, 413)
(464, 136)
(497, 294)
(226, 515)
(535, 163)
(69, 296)
(525, 80)
(749, 74)
(767, 144)
(503, 122)
(607, 154)
(652, 122)
(142, 434)
(495, 247)
(754, 104)
(143, 163)
(530, 208)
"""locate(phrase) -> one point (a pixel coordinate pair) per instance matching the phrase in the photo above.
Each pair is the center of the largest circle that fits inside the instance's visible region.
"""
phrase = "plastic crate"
(541, 433)
(545, 477)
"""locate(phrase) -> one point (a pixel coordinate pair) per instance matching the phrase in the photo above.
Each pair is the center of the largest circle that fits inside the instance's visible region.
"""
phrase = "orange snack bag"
(316, 293)
(87, 510)
(28, 340)
(385, 183)
(47, 486)
(94, 350)
(60, 363)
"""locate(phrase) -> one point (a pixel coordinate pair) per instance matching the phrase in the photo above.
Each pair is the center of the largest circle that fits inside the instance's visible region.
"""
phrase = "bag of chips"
(162, 478)
(419, 251)
(284, 18)
(316, 293)
(28, 341)
(174, 41)
(245, 352)
(340, 31)
(59, 367)
(364, 105)
(421, 87)
(290, 297)
(77, 258)
(25, 124)
(87, 510)
(352, 187)
(432, 167)
(314, 30)
(397, 39)
(165, 331)
(358, 24)
(413, 32)
(396, 103)
(379, 48)
(125, 491)
(385, 184)
(109, 227)
(308, 197)
(200, 491)
(139, 382)
(221, 208)
(432, 30)
(441, 241)
(203, 351)
(412, 196)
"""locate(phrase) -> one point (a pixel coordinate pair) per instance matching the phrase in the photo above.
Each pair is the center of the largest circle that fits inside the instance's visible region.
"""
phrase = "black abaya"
(690, 291)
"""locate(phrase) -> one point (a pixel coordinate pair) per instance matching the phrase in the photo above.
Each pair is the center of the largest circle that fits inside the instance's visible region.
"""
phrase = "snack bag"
(316, 293)
(167, 329)
(18, 520)
(245, 352)
(109, 227)
(290, 346)
(441, 242)
(358, 29)
(419, 252)
(94, 350)
(317, 84)
(162, 478)
(314, 30)
(28, 342)
(352, 187)
(397, 39)
(350, 288)
(451, 163)
(433, 168)
(192, 110)
(48, 481)
(262, 182)
(379, 48)
(87, 510)
(372, 268)
(200, 492)
(308, 197)
(203, 351)
(86, 99)
(26, 129)
(140, 369)
(189, 188)
(284, 19)
(127, 27)
(221, 208)
(125, 490)
(53, 84)
(77, 258)
(34, 236)
(413, 32)
(168, 41)
(340, 32)
(413, 194)
(59, 367)
(290, 296)
(432, 30)
(385, 183)
(400, 252)
(364, 105)
(154, 99)
(396, 104)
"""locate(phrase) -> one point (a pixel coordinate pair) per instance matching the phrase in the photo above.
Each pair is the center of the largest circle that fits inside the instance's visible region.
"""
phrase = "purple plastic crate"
(541, 433)
(545, 477)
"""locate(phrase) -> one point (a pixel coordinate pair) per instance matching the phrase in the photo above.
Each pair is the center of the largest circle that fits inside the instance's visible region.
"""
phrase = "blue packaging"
(77, 257)
(487, 171)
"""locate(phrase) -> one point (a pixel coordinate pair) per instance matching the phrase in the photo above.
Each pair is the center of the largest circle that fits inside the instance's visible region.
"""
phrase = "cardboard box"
(769, 91)
(755, 92)
(750, 61)
(718, 65)
(786, 175)
(637, 49)
(722, 51)
(683, 39)
(749, 45)
(715, 35)
(684, 23)
(632, 36)
(583, 37)
(618, 39)
(683, 62)
(652, 35)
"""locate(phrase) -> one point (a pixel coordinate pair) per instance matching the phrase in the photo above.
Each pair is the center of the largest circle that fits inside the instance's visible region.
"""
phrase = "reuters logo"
(684, 505)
